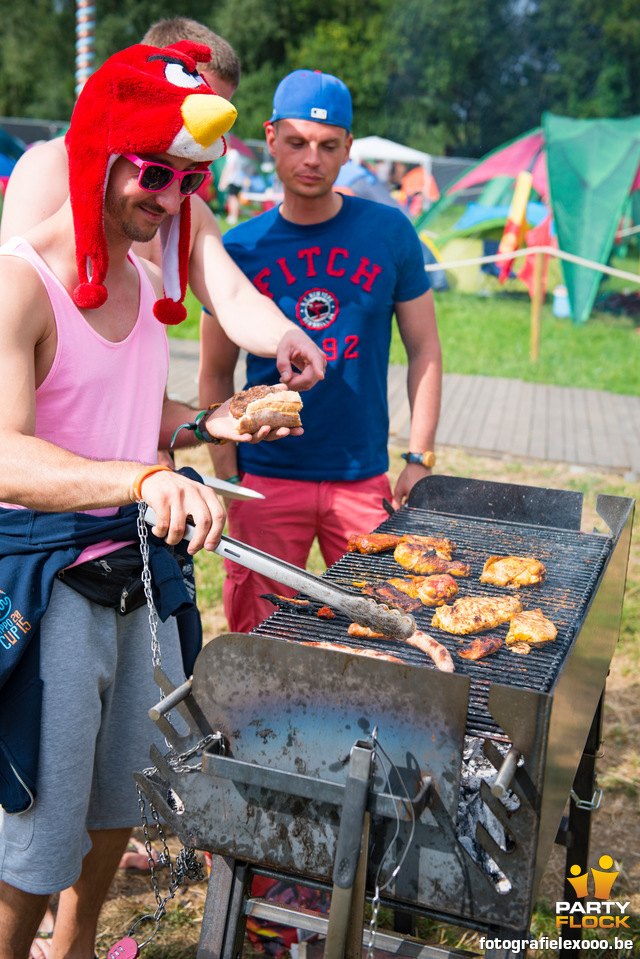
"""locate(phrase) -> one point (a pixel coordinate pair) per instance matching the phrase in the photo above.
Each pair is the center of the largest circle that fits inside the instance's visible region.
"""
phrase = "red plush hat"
(142, 101)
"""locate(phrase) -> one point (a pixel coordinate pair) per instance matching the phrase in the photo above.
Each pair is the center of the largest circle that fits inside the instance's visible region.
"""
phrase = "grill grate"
(574, 561)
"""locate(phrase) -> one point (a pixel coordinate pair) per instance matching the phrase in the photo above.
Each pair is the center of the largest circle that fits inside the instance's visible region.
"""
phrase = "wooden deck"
(495, 417)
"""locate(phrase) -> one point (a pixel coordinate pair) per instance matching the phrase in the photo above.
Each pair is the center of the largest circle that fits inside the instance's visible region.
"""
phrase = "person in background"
(38, 186)
(231, 182)
(222, 71)
(340, 267)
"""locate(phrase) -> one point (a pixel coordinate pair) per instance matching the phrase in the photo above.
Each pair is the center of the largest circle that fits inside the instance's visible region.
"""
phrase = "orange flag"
(516, 224)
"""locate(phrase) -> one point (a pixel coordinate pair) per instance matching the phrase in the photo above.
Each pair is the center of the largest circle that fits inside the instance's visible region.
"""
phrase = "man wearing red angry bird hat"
(82, 385)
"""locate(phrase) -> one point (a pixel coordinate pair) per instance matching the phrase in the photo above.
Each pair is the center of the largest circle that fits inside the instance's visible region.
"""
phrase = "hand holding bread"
(259, 413)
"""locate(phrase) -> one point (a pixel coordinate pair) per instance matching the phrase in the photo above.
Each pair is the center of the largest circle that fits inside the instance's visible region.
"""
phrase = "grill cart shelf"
(325, 767)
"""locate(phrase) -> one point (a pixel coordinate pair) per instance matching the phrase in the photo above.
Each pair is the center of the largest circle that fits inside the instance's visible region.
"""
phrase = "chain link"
(146, 582)
(178, 763)
(187, 865)
(373, 925)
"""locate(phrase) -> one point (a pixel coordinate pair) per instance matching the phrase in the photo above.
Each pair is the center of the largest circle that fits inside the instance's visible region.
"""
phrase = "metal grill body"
(286, 715)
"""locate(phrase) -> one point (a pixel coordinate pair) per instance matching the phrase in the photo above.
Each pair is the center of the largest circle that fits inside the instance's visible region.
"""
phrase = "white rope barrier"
(530, 251)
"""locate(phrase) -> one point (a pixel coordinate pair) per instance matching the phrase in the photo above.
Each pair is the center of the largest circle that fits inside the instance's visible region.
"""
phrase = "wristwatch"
(427, 459)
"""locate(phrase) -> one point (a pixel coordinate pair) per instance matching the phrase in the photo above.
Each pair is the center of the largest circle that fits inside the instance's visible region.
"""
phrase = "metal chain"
(187, 866)
(373, 925)
(178, 762)
(146, 582)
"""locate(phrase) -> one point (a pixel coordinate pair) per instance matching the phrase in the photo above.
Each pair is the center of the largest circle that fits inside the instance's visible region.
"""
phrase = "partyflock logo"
(599, 911)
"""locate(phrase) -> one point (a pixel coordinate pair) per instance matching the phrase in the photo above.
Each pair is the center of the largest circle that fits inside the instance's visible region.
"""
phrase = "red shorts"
(285, 524)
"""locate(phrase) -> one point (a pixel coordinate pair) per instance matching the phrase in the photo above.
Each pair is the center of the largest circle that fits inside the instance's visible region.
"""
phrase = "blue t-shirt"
(339, 280)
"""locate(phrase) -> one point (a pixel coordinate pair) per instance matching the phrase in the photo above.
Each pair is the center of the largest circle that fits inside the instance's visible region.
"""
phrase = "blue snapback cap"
(312, 95)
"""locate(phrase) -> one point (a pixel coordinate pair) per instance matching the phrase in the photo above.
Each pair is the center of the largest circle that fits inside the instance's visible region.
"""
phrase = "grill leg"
(350, 849)
(404, 922)
(578, 834)
(223, 921)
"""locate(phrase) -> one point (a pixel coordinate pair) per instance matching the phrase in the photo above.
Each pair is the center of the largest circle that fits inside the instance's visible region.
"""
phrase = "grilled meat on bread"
(265, 406)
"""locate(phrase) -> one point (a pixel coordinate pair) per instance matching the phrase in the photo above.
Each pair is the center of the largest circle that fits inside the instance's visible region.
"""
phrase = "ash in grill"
(490, 754)
(472, 811)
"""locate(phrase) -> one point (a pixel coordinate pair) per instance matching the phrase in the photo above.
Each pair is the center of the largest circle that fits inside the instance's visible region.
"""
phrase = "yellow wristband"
(427, 459)
(136, 489)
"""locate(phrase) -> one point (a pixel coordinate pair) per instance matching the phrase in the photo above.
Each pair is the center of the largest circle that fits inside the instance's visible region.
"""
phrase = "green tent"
(585, 170)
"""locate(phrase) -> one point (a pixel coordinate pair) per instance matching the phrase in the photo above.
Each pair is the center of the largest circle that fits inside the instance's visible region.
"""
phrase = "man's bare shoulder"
(26, 308)
(37, 188)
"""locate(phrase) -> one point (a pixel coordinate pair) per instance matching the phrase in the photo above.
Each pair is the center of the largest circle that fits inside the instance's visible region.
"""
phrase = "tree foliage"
(448, 76)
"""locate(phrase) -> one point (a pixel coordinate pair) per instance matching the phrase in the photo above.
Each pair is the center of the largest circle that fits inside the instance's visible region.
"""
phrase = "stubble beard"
(118, 210)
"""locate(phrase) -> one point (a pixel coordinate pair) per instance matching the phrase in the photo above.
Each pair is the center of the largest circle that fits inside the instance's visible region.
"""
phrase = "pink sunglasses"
(155, 176)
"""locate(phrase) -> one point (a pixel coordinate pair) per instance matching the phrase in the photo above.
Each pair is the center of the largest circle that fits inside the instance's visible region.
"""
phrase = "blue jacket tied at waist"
(34, 546)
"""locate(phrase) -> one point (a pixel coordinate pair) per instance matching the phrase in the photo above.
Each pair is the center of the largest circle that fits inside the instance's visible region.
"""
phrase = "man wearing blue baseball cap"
(339, 266)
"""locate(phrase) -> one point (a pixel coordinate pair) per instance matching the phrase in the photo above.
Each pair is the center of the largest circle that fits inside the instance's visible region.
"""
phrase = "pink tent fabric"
(523, 154)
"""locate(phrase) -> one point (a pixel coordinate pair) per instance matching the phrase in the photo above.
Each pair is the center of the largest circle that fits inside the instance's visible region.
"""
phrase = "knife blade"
(362, 609)
(231, 490)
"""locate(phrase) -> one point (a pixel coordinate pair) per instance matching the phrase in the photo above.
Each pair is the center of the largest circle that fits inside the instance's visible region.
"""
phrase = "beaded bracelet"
(136, 489)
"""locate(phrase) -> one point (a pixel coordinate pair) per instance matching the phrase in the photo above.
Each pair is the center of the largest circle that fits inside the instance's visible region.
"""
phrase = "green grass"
(491, 336)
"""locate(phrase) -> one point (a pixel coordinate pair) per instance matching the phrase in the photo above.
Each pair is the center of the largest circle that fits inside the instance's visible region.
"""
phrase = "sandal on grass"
(41, 945)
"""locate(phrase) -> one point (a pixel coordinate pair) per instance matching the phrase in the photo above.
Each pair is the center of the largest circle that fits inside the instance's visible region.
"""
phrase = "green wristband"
(233, 479)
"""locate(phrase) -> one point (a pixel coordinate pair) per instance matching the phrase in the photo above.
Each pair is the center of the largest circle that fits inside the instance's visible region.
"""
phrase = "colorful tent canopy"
(585, 171)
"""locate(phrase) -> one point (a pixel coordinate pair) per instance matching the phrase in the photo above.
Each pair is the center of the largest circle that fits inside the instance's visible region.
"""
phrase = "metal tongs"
(361, 609)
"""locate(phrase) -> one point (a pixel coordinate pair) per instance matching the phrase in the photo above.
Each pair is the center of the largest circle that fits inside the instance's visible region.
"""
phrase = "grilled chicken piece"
(388, 593)
(443, 547)
(357, 650)
(372, 542)
(435, 650)
(286, 602)
(513, 571)
(430, 590)
(479, 648)
(420, 560)
(531, 627)
(472, 614)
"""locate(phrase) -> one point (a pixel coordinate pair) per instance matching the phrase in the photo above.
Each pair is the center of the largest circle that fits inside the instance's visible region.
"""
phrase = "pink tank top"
(100, 400)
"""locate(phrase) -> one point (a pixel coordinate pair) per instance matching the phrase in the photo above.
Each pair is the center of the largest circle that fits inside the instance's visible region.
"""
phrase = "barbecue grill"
(290, 736)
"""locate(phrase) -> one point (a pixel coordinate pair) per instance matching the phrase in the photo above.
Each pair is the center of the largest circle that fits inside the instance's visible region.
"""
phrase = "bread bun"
(264, 406)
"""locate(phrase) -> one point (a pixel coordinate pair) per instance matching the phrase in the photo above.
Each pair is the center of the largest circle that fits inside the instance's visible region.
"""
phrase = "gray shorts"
(98, 687)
